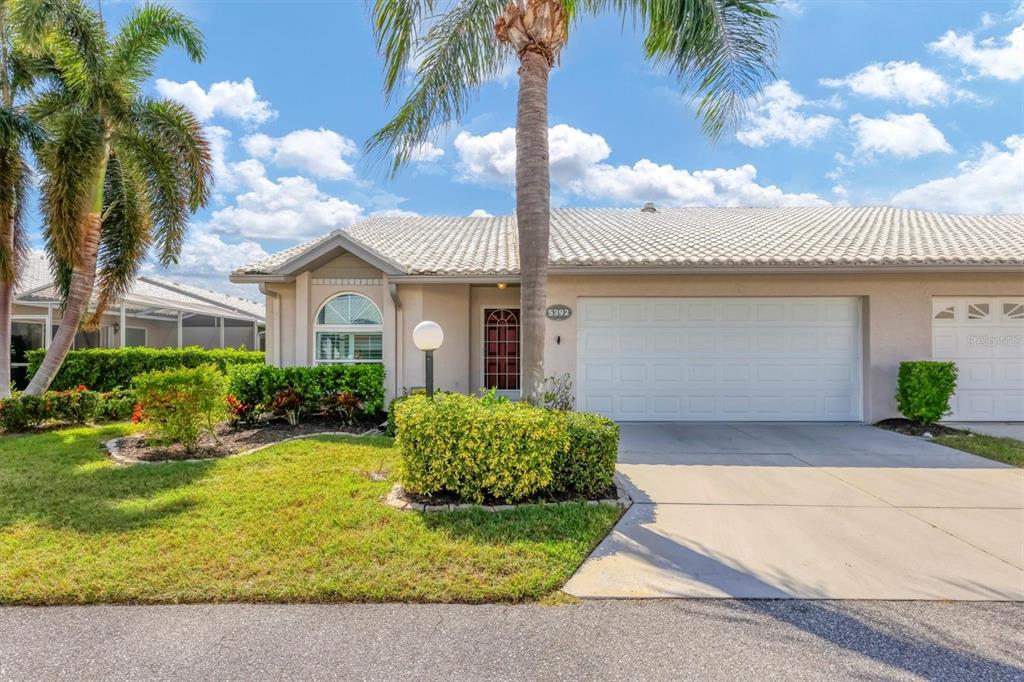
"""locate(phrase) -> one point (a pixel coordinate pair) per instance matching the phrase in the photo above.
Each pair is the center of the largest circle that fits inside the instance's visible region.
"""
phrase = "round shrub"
(481, 449)
(181, 405)
(924, 388)
(477, 450)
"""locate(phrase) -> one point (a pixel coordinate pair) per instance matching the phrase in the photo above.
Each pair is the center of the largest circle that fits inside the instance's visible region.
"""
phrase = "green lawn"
(300, 521)
(1007, 450)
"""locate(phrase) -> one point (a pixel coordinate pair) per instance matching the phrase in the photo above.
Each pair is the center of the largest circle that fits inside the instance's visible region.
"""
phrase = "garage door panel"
(706, 359)
(987, 344)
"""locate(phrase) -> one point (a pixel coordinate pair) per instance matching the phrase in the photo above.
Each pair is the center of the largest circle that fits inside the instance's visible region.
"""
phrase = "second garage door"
(720, 359)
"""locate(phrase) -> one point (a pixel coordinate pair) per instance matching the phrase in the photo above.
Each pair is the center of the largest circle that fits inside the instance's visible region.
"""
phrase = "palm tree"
(721, 49)
(122, 172)
(18, 133)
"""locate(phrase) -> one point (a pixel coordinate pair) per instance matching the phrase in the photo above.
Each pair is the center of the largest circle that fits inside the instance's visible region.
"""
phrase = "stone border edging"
(397, 499)
(114, 448)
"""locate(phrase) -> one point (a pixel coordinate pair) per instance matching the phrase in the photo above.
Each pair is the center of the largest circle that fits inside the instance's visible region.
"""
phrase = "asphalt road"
(608, 640)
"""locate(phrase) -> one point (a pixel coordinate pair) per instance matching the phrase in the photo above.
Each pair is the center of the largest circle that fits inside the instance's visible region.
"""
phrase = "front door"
(501, 349)
(26, 335)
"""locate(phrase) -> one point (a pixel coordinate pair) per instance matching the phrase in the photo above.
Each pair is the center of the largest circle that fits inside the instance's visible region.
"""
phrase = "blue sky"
(909, 103)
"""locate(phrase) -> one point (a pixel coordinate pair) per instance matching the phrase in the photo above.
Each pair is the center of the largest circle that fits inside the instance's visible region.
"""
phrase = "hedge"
(924, 388)
(483, 450)
(74, 406)
(307, 389)
(105, 369)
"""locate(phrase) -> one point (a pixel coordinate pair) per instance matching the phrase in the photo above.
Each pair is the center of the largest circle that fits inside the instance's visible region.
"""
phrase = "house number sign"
(559, 312)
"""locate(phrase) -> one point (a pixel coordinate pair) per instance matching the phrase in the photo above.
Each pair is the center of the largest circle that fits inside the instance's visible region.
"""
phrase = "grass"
(1006, 450)
(299, 522)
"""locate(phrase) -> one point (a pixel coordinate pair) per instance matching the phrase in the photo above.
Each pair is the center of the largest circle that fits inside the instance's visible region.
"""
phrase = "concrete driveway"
(822, 511)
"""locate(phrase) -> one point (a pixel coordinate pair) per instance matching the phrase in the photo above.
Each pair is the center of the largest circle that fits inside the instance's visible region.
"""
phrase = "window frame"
(350, 329)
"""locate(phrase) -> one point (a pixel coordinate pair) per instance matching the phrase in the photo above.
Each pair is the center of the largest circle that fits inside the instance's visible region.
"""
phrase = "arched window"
(349, 328)
(501, 349)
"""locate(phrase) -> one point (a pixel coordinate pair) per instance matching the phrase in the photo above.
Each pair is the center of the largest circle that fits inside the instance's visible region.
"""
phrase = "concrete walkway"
(835, 511)
(718, 639)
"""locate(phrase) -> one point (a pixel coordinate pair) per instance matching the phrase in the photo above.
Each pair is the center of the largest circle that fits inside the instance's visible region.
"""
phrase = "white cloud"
(425, 152)
(907, 81)
(840, 191)
(318, 152)
(206, 260)
(577, 167)
(1001, 58)
(286, 208)
(775, 117)
(993, 183)
(226, 98)
(906, 136)
(480, 213)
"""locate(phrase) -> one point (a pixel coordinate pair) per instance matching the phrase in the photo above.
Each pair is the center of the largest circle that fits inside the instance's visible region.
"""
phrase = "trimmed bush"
(587, 467)
(479, 449)
(256, 387)
(106, 369)
(924, 388)
(391, 429)
(22, 413)
(74, 406)
(475, 450)
(181, 405)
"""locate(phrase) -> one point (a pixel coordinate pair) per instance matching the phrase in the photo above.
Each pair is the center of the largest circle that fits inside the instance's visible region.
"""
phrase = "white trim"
(347, 281)
(347, 329)
(510, 393)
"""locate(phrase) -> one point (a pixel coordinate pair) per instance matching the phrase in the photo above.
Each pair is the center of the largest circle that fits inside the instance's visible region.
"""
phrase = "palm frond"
(166, 190)
(69, 164)
(71, 29)
(144, 36)
(459, 53)
(395, 23)
(15, 178)
(723, 51)
(176, 129)
(126, 235)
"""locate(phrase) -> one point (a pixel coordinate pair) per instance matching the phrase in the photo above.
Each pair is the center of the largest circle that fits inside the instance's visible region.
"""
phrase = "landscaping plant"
(79, 405)
(288, 403)
(558, 392)
(121, 171)
(924, 388)
(314, 388)
(502, 451)
(182, 405)
(107, 369)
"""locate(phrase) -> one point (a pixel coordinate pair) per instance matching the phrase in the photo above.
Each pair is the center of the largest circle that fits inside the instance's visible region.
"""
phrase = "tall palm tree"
(18, 133)
(722, 50)
(122, 172)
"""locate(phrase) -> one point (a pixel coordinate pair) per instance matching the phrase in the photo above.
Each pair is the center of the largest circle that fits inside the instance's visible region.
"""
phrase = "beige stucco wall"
(896, 316)
(897, 311)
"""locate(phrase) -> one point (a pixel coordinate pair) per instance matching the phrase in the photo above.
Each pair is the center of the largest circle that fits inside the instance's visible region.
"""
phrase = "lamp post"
(428, 337)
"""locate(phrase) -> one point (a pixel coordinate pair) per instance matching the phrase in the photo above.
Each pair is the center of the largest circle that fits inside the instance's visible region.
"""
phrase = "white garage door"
(985, 338)
(718, 359)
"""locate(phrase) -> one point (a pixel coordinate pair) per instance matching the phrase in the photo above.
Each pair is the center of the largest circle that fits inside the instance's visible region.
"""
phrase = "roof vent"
(649, 207)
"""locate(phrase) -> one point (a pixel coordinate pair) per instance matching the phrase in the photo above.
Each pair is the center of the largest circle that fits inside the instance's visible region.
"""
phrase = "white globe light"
(428, 335)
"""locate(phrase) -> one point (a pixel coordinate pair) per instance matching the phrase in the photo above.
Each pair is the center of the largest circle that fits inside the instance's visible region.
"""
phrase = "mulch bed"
(909, 428)
(233, 440)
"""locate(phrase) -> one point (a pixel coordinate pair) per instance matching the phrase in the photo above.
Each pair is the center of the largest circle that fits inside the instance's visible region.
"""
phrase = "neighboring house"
(155, 313)
(677, 314)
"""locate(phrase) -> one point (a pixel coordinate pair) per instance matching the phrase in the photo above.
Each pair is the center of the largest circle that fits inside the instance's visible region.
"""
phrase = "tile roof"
(835, 235)
(36, 276)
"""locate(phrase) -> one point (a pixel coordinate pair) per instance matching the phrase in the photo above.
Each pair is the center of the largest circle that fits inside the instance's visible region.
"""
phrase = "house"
(155, 313)
(674, 314)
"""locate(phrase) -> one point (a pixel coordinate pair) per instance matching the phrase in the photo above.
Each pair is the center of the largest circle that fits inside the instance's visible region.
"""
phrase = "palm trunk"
(83, 278)
(6, 307)
(533, 215)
